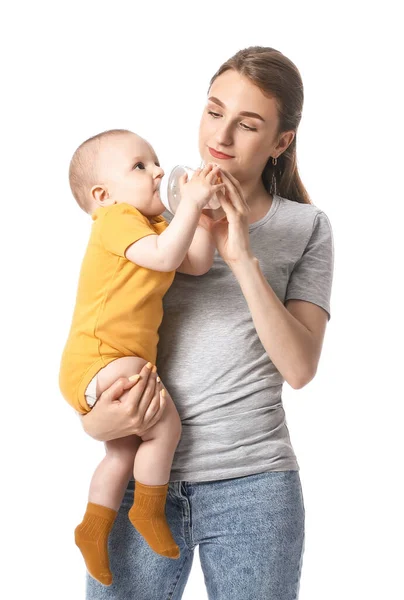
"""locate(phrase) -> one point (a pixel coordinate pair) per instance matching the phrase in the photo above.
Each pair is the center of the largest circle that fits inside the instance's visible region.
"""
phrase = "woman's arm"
(293, 336)
(126, 408)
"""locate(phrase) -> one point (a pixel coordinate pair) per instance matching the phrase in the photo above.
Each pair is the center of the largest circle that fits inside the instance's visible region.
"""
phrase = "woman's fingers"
(148, 391)
(234, 181)
(219, 187)
(115, 391)
(196, 173)
(233, 190)
(207, 169)
(213, 174)
(235, 196)
(136, 401)
(156, 406)
(237, 185)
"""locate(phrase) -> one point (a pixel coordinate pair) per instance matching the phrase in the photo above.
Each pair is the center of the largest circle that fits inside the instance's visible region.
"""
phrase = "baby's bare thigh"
(121, 367)
(169, 425)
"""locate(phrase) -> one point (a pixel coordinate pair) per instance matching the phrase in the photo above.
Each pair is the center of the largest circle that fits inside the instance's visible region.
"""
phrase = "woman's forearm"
(288, 342)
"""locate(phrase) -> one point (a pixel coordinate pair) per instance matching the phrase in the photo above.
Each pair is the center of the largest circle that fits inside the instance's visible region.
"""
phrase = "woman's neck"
(258, 199)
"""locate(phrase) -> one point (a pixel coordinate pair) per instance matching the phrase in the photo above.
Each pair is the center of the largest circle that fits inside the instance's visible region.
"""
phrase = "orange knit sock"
(91, 536)
(147, 515)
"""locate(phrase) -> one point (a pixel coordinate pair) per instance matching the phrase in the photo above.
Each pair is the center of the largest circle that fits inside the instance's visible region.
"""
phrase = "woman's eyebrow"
(244, 113)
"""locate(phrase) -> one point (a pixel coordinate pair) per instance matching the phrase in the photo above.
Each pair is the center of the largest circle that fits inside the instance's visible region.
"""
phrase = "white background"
(73, 69)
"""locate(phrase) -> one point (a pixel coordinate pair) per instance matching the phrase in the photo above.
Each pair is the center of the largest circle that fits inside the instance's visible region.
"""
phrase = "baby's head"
(113, 167)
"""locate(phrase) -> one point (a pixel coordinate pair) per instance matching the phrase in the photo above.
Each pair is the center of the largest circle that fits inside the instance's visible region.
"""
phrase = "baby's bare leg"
(150, 458)
(155, 454)
(154, 451)
(152, 473)
(108, 483)
(111, 477)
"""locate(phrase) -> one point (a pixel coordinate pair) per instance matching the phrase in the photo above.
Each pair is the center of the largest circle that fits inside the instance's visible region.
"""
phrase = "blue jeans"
(250, 532)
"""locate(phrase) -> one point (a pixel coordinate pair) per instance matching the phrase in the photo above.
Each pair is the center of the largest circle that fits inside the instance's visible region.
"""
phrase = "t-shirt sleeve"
(121, 227)
(312, 275)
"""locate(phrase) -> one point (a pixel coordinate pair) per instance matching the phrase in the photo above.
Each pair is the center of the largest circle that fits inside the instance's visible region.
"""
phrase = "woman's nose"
(224, 135)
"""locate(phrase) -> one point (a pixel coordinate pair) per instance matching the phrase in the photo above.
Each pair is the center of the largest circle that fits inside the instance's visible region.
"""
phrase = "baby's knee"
(123, 450)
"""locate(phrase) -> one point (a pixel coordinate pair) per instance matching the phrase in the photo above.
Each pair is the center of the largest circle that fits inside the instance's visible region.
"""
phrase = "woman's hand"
(231, 234)
(126, 408)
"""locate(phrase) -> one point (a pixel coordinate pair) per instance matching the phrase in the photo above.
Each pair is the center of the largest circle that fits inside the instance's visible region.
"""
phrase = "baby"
(129, 264)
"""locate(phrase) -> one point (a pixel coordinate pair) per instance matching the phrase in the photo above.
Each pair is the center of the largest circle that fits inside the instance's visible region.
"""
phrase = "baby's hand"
(202, 186)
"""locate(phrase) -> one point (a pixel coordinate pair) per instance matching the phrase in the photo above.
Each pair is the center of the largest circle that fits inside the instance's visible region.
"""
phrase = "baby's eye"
(140, 165)
(213, 114)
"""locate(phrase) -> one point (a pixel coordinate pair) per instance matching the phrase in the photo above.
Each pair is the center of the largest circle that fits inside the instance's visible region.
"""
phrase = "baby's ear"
(99, 194)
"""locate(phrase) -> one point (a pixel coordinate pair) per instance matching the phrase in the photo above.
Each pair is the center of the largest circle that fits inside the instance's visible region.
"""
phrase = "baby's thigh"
(168, 426)
(121, 367)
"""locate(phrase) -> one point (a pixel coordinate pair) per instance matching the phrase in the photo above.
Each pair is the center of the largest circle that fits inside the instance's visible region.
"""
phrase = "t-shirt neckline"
(272, 210)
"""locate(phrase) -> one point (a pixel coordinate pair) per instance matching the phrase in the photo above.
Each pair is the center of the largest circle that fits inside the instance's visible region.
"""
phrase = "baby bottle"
(173, 189)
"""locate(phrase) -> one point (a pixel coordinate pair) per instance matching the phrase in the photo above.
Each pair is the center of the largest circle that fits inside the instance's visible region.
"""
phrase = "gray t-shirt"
(226, 389)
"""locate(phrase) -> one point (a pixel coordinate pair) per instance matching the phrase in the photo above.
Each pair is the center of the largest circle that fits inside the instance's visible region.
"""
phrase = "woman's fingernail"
(154, 369)
(158, 379)
(149, 365)
(163, 393)
(134, 377)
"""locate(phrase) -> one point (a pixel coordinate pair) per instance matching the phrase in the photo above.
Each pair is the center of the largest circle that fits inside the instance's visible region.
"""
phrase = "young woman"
(228, 341)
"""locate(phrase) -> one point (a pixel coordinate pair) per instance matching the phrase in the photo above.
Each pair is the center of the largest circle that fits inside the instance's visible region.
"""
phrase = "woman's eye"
(140, 165)
(244, 126)
(213, 114)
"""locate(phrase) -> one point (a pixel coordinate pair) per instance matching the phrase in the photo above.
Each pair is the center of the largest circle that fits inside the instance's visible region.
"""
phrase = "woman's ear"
(285, 139)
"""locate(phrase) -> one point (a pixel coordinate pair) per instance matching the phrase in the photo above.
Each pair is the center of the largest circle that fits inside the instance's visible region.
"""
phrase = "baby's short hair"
(83, 166)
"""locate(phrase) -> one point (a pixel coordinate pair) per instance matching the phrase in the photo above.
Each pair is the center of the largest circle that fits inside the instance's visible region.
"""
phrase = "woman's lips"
(216, 154)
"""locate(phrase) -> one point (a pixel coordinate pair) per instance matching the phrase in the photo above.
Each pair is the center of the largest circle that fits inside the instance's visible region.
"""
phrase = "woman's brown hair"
(278, 77)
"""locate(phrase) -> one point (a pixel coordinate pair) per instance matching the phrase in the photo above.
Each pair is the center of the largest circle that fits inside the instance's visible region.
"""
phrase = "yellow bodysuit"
(119, 305)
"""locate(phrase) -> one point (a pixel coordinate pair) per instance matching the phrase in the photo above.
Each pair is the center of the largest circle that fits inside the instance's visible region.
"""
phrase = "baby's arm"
(199, 258)
(167, 251)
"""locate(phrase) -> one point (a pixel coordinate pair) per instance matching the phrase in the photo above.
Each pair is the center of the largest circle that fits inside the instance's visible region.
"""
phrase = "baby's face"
(130, 169)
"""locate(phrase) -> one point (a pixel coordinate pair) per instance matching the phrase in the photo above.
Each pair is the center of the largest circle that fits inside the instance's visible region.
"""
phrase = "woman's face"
(238, 129)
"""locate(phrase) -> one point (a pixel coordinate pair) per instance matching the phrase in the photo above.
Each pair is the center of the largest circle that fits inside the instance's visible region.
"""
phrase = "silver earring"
(273, 179)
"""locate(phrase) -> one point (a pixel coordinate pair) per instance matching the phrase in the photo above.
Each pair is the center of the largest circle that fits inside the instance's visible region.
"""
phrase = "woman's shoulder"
(298, 207)
(299, 213)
